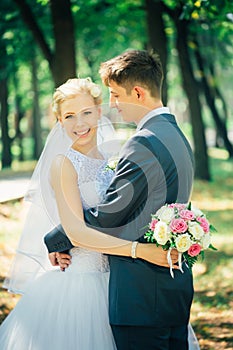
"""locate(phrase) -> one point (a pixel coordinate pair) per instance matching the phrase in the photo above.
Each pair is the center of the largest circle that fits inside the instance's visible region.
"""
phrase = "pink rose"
(187, 214)
(172, 205)
(178, 225)
(178, 206)
(204, 223)
(194, 250)
(153, 224)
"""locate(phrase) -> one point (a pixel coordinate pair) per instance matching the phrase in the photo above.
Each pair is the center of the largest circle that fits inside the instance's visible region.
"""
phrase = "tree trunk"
(36, 131)
(64, 64)
(191, 89)
(210, 99)
(157, 37)
(32, 25)
(6, 141)
(19, 113)
(62, 61)
(218, 95)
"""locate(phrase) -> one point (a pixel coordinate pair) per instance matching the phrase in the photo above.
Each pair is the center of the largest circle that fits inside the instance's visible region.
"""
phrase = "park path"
(13, 187)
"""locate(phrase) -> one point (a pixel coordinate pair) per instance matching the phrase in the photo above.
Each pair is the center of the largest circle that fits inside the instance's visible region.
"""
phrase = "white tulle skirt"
(61, 310)
(193, 342)
(66, 310)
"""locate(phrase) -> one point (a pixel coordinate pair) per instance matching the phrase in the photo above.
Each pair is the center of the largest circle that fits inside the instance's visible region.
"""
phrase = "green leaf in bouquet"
(190, 260)
(212, 228)
(212, 247)
(202, 254)
(149, 237)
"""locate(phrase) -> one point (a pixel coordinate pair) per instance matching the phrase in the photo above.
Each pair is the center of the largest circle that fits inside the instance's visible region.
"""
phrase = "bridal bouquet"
(183, 227)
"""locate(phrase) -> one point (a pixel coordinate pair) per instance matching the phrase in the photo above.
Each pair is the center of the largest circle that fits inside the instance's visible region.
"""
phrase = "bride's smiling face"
(79, 117)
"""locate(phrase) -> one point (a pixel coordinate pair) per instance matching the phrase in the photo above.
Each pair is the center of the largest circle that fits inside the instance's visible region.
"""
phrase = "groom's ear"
(139, 93)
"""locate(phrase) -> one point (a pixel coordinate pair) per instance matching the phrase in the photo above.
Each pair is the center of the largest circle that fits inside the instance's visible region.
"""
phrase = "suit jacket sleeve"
(126, 198)
(57, 241)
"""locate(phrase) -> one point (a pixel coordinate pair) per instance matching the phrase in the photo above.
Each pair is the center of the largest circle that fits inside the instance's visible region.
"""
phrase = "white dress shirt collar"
(152, 113)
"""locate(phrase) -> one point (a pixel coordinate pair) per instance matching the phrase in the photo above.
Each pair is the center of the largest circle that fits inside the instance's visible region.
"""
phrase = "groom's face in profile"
(127, 103)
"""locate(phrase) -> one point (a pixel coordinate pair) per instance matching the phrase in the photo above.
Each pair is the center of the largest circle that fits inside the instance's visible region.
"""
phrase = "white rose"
(183, 243)
(196, 230)
(165, 214)
(206, 240)
(161, 233)
(196, 211)
(95, 91)
(113, 163)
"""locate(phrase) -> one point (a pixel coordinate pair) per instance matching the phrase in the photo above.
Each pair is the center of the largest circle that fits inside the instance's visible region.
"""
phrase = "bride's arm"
(64, 182)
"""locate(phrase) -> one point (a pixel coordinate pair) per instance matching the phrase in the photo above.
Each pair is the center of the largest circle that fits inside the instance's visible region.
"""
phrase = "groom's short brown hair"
(134, 67)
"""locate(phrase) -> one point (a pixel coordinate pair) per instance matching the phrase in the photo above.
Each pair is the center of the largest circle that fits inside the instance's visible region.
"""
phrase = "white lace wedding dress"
(69, 310)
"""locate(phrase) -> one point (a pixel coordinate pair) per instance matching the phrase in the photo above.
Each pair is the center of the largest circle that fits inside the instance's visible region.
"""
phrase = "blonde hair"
(73, 87)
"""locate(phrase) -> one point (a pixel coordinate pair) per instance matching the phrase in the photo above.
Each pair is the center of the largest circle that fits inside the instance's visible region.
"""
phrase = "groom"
(148, 309)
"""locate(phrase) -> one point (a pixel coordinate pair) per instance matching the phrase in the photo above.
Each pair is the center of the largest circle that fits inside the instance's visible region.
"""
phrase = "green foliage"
(201, 9)
(103, 29)
(43, 2)
(113, 27)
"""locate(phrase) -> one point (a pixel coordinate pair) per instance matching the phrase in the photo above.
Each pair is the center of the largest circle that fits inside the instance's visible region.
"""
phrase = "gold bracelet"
(133, 250)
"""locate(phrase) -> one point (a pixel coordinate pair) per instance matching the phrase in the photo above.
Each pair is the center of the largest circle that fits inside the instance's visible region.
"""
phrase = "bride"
(66, 309)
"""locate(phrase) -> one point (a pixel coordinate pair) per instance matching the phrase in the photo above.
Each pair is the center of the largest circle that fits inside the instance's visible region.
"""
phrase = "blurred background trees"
(43, 43)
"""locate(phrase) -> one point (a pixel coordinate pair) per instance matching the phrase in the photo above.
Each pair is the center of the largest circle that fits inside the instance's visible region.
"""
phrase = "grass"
(212, 309)
(12, 215)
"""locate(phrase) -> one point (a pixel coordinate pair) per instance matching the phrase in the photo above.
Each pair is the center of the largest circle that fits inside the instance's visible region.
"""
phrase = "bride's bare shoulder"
(62, 167)
(59, 161)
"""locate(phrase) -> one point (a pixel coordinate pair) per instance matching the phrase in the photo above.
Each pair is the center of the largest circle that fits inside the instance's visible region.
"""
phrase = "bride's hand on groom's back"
(60, 259)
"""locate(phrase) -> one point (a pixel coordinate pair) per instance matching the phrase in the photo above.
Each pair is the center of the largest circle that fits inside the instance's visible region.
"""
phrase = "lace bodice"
(93, 180)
